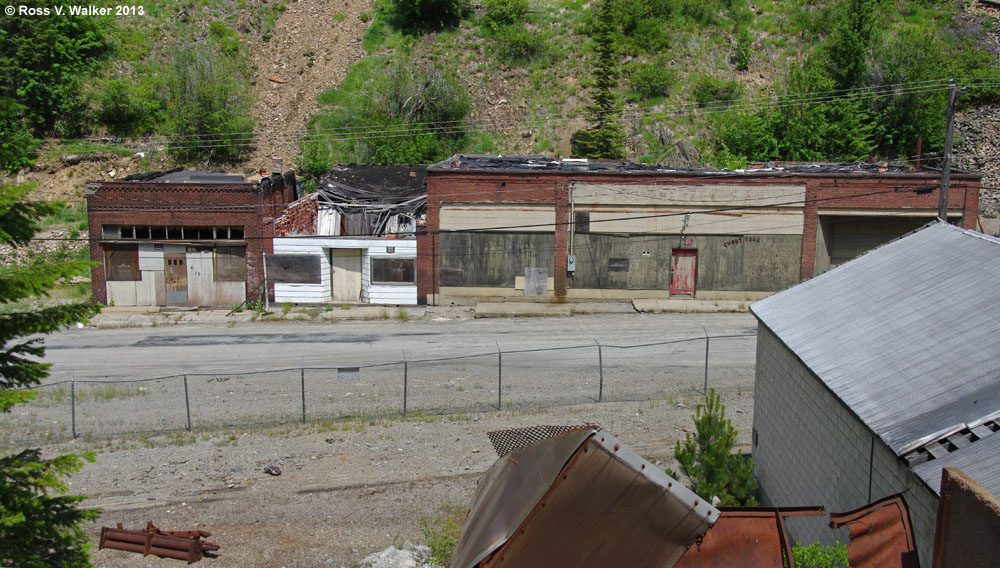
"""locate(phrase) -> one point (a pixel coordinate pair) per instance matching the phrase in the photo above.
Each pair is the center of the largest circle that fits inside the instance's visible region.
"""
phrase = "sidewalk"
(153, 316)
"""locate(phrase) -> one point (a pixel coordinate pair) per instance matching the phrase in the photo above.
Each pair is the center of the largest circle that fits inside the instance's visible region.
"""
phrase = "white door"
(346, 274)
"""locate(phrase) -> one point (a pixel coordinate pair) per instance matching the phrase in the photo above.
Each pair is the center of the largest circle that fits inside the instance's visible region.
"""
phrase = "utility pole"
(946, 167)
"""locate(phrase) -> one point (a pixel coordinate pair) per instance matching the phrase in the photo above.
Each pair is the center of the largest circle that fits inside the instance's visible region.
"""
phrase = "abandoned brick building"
(183, 238)
(605, 230)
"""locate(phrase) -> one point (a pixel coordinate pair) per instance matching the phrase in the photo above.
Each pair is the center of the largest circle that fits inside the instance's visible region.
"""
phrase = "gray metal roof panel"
(980, 461)
(902, 334)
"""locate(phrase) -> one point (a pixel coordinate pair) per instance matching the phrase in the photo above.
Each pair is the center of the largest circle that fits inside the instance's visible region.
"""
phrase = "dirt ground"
(347, 488)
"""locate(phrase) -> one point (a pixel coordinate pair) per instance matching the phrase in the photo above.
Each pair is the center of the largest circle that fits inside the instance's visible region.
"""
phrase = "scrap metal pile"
(182, 545)
(575, 496)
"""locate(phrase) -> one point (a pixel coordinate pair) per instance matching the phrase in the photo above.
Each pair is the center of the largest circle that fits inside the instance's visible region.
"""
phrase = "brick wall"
(854, 190)
(810, 449)
(189, 205)
(299, 218)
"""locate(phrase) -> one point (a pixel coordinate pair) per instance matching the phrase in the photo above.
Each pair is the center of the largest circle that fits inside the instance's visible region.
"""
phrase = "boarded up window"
(230, 264)
(122, 262)
(393, 270)
(582, 222)
(294, 268)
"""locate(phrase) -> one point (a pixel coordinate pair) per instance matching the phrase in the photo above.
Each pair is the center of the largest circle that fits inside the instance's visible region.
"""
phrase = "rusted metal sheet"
(181, 545)
(881, 534)
(580, 499)
(747, 536)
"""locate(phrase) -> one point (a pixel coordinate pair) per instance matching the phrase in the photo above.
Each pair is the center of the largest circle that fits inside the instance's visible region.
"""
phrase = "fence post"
(704, 389)
(405, 373)
(72, 400)
(600, 365)
(499, 377)
(302, 376)
(187, 399)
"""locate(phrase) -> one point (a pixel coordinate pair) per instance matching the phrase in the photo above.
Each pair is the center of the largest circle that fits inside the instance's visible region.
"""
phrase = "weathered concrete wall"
(494, 259)
(809, 449)
(968, 533)
(762, 263)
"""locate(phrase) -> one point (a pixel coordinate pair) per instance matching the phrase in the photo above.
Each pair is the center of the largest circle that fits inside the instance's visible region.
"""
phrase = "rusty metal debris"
(582, 499)
(881, 534)
(182, 545)
(747, 536)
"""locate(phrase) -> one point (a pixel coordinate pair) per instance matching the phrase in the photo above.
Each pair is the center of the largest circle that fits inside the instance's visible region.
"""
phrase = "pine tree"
(707, 459)
(39, 524)
(605, 137)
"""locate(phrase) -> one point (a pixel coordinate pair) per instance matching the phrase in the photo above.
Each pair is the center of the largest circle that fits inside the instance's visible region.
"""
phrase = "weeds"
(441, 533)
(402, 315)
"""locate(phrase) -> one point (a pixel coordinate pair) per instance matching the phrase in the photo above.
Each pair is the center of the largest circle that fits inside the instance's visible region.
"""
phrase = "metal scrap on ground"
(182, 545)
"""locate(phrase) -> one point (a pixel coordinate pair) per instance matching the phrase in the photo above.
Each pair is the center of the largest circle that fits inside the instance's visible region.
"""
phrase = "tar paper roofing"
(905, 335)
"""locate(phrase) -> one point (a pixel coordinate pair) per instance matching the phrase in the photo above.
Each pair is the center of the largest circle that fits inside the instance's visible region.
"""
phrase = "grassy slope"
(545, 96)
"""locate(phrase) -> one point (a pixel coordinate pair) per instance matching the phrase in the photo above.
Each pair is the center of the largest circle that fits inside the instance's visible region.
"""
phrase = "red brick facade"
(249, 205)
(449, 183)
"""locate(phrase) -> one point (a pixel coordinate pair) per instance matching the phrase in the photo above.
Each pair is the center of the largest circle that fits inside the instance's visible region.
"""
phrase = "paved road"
(150, 352)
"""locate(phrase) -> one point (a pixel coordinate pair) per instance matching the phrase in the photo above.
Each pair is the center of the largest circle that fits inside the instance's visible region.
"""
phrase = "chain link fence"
(511, 379)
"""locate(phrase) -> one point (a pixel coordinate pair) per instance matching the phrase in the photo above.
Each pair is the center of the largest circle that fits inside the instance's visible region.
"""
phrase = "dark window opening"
(128, 232)
(158, 233)
(393, 270)
(175, 233)
(142, 232)
(235, 232)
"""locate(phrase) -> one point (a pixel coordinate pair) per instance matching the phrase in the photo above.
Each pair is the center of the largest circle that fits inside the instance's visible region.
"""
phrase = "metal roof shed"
(902, 335)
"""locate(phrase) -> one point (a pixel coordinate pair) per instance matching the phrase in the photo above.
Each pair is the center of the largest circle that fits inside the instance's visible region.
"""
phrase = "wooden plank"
(959, 440)
(293, 268)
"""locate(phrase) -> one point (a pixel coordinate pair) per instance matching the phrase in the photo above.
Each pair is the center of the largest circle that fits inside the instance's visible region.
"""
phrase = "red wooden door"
(684, 265)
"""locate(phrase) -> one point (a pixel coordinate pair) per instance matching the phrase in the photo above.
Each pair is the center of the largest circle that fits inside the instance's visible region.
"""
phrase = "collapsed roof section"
(371, 200)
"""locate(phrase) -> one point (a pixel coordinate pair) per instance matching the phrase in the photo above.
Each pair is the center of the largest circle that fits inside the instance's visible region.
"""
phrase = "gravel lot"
(348, 488)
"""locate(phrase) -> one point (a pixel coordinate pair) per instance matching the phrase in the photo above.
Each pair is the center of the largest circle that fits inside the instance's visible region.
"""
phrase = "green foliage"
(208, 106)
(744, 49)
(817, 555)
(39, 524)
(417, 16)
(516, 44)
(707, 459)
(651, 79)
(128, 108)
(852, 39)
(17, 145)
(500, 13)
(43, 62)
(225, 39)
(407, 112)
(441, 534)
(604, 137)
(709, 91)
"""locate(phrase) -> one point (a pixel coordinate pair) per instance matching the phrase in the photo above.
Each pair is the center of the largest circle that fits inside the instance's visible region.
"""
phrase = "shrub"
(651, 79)
(127, 108)
(817, 555)
(744, 49)
(17, 146)
(500, 13)
(208, 104)
(515, 44)
(707, 459)
(441, 534)
(424, 15)
(711, 91)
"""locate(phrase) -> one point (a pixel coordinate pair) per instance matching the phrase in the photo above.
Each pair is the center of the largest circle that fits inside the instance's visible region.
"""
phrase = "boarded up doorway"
(683, 273)
(346, 280)
(176, 278)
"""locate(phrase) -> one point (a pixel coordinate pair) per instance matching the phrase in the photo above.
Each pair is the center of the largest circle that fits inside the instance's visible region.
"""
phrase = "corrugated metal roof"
(904, 335)
(980, 461)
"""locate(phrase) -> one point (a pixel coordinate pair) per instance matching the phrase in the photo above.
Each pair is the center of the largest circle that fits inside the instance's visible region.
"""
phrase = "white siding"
(531, 218)
(371, 247)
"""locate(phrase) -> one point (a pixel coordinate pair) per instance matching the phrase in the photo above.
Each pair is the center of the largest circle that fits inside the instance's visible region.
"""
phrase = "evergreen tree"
(39, 524)
(605, 137)
(708, 461)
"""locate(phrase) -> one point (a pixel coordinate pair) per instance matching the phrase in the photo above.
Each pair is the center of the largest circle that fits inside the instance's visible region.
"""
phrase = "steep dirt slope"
(311, 47)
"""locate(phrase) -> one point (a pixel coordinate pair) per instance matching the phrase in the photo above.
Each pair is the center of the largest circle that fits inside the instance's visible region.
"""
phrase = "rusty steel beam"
(181, 545)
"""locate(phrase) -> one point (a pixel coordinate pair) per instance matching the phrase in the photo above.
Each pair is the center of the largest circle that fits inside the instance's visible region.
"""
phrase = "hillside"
(325, 81)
